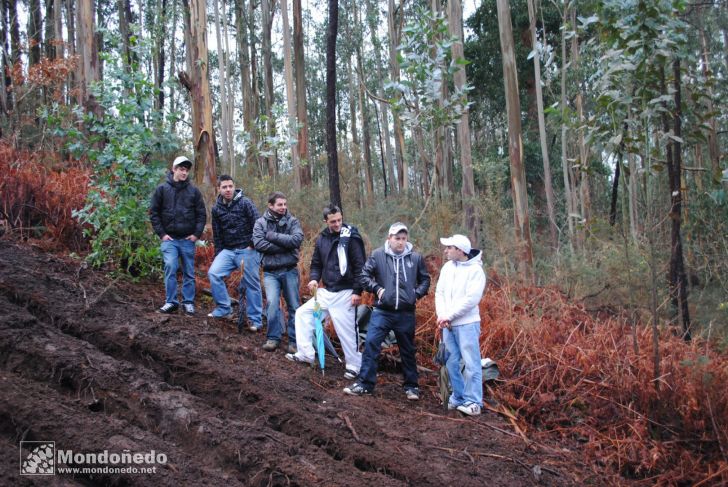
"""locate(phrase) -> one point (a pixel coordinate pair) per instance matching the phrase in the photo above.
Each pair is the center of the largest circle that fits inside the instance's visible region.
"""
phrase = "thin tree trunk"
(160, 59)
(87, 63)
(71, 29)
(267, 7)
(713, 150)
(301, 115)
(50, 32)
(331, 149)
(290, 94)
(366, 144)
(570, 210)
(471, 219)
(395, 30)
(35, 29)
(4, 61)
(515, 147)
(584, 187)
(172, 57)
(548, 184)
(355, 142)
(634, 222)
(241, 24)
(255, 85)
(226, 159)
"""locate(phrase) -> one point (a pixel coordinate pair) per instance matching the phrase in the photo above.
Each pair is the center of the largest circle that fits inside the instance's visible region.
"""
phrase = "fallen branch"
(353, 431)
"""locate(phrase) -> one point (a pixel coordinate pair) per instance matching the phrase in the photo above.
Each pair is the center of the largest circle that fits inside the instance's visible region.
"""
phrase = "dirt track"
(90, 366)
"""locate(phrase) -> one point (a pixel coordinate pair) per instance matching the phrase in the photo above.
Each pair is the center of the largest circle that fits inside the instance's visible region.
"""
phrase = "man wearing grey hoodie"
(397, 276)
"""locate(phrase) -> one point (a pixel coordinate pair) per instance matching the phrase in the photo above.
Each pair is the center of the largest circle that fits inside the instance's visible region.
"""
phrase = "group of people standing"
(339, 272)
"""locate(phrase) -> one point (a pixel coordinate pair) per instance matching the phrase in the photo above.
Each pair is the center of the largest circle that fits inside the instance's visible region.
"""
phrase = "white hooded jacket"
(459, 290)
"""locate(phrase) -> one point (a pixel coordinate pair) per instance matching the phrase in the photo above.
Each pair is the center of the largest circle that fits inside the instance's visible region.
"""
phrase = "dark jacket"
(177, 209)
(232, 224)
(325, 261)
(404, 278)
(278, 239)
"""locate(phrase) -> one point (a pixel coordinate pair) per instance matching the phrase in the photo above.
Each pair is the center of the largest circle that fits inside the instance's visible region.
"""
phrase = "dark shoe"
(270, 345)
(169, 308)
(189, 309)
(295, 358)
(357, 389)
(412, 393)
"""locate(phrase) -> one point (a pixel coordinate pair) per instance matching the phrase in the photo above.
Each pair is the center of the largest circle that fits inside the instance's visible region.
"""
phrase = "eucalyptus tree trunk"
(172, 57)
(584, 187)
(570, 209)
(4, 61)
(254, 77)
(634, 221)
(242, 25)
(50, 33)
(124, 10)
(515, 147)
(225, 97)
(355, 142)
(290, 94)
(197, 83)
(713, 149)
(35, 29)
(394, 24)
(301, 115)
(455, 13)
(548, 185)
(71, 29)
(58, 28)
(267, 20)
(160, 58)
(331, 148)
(366, 132)
(87, 71)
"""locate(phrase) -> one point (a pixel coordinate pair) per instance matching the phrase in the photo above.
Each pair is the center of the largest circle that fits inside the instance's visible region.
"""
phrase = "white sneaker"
(471, 409)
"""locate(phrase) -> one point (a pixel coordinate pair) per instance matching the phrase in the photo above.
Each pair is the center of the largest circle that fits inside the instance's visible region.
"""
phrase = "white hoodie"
(459, 289)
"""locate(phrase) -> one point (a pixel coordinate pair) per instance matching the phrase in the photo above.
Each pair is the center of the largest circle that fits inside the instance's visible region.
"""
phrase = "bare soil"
(86, 361)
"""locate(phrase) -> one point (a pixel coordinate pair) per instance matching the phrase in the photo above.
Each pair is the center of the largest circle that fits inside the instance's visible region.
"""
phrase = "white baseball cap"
(459, 241)
(182, 160)
(396, 228)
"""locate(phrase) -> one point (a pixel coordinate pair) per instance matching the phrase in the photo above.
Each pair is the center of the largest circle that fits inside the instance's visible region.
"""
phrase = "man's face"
(334, 221)
(227, 189)
(453, 253)
(279, 207)
(180, 173)
(398, 242)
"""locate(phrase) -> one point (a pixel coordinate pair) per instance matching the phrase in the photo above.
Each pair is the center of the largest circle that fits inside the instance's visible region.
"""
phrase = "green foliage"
(126, 145)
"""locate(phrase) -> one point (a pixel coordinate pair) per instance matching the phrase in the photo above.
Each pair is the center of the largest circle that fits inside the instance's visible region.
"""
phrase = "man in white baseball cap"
(457, 295)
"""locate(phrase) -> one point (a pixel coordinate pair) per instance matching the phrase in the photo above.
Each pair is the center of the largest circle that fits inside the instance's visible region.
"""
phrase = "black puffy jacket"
(278, 239)
(232, 223)
(404, 278)
(325, 261)
(177, 209)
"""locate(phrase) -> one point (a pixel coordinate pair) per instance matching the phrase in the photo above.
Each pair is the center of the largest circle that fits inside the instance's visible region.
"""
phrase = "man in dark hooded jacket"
(397, 276)
(177, 212)
(233, 217)
(337, 261)
(278, 236)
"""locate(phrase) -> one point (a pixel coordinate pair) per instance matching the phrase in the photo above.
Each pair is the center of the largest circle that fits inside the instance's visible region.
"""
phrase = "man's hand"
(312, 285)
(192, 238)
(380, 293)
(443, 323)
(166, 238)
(355, 300)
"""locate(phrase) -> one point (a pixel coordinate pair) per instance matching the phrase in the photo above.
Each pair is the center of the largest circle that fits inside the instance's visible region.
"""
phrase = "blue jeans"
(380, 324)
(463, 341)
(172, 251)
(224, 264)
(275, 281)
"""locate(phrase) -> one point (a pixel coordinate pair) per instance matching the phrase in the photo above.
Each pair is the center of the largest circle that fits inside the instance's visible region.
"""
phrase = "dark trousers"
(380, 324)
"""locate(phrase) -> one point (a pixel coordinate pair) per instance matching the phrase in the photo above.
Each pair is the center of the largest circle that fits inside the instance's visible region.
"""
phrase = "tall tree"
(515, 146)
(301, 115)
(331, 148)
(455, 14)
(226, 98)
(197, 83)
(88, 60)
(4, 61)
(290, 94)
(267, 11)
(394, 25)
(35, 29)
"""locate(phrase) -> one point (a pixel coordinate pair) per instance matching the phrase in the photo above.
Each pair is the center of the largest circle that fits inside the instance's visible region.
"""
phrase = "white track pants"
(338, 306)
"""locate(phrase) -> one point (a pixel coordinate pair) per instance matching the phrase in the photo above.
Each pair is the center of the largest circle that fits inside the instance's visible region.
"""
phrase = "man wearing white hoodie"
(397, 276)
(457, 295)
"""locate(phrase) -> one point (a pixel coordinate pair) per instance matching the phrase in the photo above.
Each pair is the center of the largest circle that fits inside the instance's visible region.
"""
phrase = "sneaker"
(350, 374)
(189, 309)
(451, 406)
(471, 409)
(295, 358)
(357, 389)
(292, 349)
(215, 314)
(270, 345)
(412, 393)
(254, 328)
(169, 308)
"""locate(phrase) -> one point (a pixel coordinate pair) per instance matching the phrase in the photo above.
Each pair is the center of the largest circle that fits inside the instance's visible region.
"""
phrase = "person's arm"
(287, 241)
(216, 232)
(368, 280)
(423, 278)
(260, 242)
(155, 212)
(200, 214)
(357, 257)
(316, 262)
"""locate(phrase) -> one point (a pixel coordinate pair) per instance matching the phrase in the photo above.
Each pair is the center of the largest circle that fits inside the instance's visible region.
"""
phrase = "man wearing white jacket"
(457, 295)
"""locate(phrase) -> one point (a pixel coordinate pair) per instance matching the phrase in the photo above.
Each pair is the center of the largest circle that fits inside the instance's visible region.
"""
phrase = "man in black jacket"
(233, 217)
(177, 212)
(278, 236)
(397, 276)
(337, 261)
